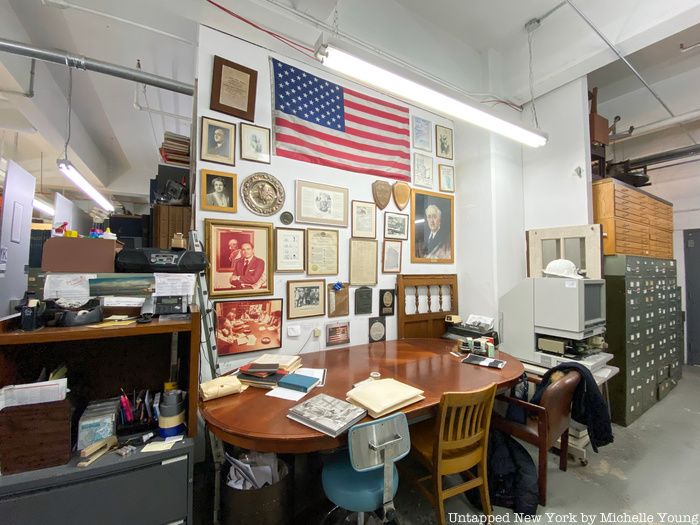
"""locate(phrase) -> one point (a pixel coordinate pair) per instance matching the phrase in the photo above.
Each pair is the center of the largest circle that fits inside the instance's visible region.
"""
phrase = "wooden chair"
(545, 423)
(453, 443)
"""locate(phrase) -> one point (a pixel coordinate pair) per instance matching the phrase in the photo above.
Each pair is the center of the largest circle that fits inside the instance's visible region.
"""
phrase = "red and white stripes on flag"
(317, 121)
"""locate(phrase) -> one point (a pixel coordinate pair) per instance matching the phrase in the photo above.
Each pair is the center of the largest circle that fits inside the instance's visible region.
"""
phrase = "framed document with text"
(321, 204)
(363, 261)
(289, 250)
(322, 252)
(233, 89)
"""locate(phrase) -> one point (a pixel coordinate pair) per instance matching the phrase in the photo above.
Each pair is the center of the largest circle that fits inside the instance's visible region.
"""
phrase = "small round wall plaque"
(262, 194)
(286, 217)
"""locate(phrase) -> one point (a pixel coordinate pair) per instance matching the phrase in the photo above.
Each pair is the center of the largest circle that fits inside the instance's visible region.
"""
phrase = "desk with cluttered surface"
(255, 421)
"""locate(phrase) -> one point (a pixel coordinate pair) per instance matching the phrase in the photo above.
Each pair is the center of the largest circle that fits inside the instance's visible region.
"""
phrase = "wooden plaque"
(381, 191)
(402, 194)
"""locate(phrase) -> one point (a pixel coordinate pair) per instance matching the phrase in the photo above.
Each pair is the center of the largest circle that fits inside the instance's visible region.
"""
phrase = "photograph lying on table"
(233, 89)
(363, 261)
(422, 134)
(289, 250)
(321, 252)
(395, 226)
(364, 219)
(338, 299)
(391, 256)
(432, 233)
(338, 333)
(321, 204)
(240, 258)
(446, 178)
(443, 142)
(218, 191)
(248, 326)
(218, 140)
(423, 171)
(306, 298)
(255, 143)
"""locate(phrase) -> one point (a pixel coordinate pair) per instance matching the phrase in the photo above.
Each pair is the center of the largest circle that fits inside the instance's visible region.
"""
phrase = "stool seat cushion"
(352, 490)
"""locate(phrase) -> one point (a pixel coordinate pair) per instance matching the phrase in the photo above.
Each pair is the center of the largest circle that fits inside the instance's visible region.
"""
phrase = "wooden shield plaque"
(402, 194)
(381, 191)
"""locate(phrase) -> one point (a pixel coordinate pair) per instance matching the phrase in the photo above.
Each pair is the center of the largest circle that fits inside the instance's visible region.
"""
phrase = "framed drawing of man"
(432, 231)
(218, 191)
(248, 326)
(240, 258)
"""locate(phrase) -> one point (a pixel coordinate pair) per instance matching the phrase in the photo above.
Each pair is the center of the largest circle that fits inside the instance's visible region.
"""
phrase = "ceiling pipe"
(666, 156)
(658, 125)
(627, 62)
(90, 64)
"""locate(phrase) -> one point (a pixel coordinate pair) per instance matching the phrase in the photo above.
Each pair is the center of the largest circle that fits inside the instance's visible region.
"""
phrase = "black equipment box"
(160, 260)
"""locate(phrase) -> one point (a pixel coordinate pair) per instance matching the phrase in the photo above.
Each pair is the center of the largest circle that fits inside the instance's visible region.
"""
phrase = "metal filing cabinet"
(644, 332)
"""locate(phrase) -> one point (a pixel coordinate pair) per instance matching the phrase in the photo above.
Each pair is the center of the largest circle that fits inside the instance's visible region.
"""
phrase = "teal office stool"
(366, 480)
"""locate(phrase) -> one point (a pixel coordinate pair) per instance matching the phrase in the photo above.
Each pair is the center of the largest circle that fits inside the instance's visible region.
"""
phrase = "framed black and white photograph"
(432, 233)
(364, 219)
(306, 298)
(218, 191)
(423, 171)
(443, 142)
(255, 143)
(218, 141)
(396, 226)
(422, 131)
(446, 178)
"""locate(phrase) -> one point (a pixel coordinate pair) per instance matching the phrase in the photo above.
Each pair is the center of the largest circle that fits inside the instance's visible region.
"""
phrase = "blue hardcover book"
(298, 382)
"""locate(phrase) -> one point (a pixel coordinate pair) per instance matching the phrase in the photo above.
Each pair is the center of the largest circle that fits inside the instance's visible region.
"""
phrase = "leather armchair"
(544, 424)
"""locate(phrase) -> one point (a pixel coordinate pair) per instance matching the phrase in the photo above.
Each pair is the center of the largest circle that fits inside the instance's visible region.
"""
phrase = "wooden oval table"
(255, 421)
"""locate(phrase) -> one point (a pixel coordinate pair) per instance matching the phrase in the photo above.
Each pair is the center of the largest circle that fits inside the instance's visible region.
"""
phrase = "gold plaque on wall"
(381, 191)
(402, 194)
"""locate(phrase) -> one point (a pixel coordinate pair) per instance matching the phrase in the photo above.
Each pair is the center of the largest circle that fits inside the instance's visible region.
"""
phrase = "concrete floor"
(652, 467)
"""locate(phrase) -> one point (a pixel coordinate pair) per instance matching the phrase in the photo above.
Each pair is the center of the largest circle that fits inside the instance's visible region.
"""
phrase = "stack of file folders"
(384, 396)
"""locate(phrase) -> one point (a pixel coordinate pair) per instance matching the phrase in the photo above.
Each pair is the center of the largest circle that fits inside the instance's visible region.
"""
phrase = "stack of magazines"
(327, 414)
(384, 396)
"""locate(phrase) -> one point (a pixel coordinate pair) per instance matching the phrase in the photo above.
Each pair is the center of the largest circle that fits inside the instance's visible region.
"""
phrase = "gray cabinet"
(146, 488)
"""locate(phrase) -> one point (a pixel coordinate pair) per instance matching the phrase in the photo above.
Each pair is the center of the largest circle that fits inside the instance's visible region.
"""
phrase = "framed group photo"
(218, 141)
(248, 326)
(218, 191)
(240, 258)
(432, 232)
(233, 89)
(306, 298)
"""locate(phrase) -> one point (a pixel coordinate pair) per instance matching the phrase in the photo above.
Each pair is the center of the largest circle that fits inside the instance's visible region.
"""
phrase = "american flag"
(321, 122)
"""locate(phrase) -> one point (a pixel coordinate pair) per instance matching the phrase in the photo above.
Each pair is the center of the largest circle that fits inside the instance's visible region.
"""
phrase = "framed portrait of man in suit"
(432, 231)
(240, 258)
(218, 141)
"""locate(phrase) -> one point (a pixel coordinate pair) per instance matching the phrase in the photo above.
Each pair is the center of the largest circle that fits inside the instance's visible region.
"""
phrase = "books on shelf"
(383, 396)
(327, 414)
(490, 362)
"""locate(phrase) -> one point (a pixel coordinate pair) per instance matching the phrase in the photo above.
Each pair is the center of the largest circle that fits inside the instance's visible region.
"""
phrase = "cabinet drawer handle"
(173, 460)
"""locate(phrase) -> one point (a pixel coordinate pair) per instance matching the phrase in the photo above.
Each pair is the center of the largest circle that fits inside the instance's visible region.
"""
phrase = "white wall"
(555, 195)
(212, 42)
(65, 210)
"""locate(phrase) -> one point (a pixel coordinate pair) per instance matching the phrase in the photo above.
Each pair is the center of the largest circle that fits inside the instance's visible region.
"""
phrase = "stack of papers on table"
(288, 363)
(383, 396)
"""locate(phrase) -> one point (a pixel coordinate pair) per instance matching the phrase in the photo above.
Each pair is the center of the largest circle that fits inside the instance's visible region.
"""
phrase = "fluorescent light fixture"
(43, 207)
(67, 168)
(412, 91)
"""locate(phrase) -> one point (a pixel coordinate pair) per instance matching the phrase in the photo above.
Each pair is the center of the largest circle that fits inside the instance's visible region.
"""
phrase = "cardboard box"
(599, 129)
(76, 255)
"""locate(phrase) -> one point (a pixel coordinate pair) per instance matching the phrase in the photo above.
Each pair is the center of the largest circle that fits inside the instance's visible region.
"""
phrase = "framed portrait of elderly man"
(218, 141)
(432, 232)
(218, 191)
(240, 258)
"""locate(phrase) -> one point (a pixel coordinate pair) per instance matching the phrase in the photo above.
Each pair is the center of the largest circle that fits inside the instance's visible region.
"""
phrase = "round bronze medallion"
(387, 298)
(286, 217)
(377, 331)
(262, 194)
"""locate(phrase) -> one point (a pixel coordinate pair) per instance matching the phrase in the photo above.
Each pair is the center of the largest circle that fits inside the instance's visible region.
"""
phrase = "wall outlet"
(294, 331)
(317, 332)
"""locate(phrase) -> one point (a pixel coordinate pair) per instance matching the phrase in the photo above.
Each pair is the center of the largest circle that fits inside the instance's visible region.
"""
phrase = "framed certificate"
(289, 250)
(321, 204)
(322, 252)
(363, 261)
(233, 89)
(364, 219)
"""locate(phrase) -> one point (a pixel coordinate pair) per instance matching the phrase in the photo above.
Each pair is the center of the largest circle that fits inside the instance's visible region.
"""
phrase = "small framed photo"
(240, 258)
(391, 256)
(364, 219)
(363, 262)
(321, 204)
(248, 326)
(446, 178)
(338, 333)
(396, 226)
(218, 141)
(422, 171)
(255, 143)
(422, 134)
(233, 89)
(218, 191)
(443, 142)
(290, 248)
(306, 298)
(322, 252)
